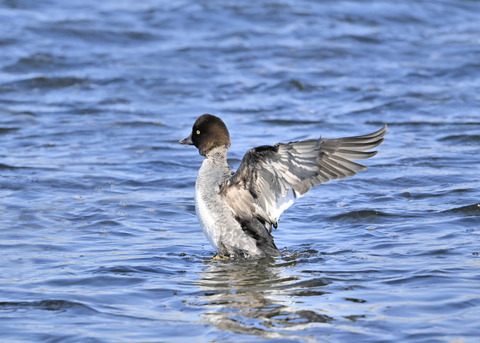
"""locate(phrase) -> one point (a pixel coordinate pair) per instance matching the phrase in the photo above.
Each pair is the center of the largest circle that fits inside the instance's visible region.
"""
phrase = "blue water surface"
(98, 235)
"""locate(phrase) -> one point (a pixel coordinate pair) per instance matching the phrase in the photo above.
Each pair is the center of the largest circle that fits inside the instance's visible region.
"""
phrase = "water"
(98, 235)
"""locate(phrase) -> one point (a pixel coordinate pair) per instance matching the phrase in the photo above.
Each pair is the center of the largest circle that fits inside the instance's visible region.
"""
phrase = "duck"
(238, 210)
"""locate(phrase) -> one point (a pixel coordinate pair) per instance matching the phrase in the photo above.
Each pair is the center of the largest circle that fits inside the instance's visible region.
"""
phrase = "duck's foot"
(220, 257)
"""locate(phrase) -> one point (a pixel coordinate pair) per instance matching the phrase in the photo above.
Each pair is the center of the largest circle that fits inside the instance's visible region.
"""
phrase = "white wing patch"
(284, 203)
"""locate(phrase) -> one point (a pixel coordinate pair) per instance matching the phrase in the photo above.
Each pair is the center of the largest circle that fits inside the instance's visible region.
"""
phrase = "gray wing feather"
(271, 178)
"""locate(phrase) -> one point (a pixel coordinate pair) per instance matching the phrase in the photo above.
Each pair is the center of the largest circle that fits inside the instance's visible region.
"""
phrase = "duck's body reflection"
(254, 298)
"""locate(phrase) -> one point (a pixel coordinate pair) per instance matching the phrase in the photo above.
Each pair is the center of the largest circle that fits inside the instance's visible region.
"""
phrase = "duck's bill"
(186, 141)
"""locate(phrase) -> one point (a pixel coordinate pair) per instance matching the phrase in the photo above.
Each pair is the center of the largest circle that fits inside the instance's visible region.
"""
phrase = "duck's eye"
(198, 132)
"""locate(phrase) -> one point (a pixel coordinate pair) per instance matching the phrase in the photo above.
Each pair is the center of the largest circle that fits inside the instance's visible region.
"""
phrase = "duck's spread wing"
(271, 178)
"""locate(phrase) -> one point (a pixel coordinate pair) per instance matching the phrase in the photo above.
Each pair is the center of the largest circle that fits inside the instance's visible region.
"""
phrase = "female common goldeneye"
(238, 209)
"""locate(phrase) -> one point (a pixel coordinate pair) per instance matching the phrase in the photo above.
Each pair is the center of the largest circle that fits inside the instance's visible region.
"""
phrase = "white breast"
(205, 216)
(216, 218)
